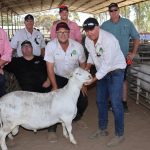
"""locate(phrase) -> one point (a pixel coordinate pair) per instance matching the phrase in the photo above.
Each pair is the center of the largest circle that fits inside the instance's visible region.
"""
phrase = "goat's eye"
(78, 74)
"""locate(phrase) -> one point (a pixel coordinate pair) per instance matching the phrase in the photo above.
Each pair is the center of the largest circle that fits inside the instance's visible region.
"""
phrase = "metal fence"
(139, 77)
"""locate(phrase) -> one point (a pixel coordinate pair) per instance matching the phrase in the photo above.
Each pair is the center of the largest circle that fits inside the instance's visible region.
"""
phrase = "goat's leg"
(6, 130)
(65, 133)
(14, 132)
(10, 136)
(138, 91)
(2, 140)
(69, 129)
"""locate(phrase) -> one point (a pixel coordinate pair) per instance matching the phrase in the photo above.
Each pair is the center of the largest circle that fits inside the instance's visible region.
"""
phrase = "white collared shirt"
(36, 38)
(106, 54)
(64, 62)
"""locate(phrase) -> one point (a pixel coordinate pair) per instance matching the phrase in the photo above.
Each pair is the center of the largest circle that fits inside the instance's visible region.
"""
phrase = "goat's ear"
(70, 75)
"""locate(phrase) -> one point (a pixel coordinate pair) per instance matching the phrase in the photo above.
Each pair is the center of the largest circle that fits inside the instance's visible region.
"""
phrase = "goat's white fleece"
(35, 111)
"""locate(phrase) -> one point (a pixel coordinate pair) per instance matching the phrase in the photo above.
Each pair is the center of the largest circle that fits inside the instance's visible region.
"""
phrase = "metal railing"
(139, 77)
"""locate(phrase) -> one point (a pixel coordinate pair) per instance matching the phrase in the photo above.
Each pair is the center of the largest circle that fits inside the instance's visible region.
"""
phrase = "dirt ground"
(137, 132)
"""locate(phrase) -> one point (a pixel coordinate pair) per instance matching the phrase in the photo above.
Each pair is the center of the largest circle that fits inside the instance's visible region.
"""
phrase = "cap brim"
(88, 28)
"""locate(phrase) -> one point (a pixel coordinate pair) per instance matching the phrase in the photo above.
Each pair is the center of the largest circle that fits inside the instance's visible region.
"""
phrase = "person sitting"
(29, 70)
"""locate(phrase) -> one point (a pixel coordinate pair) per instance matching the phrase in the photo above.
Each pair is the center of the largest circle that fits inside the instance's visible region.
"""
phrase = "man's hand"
(130, 56)
(54, 88)
(1, 71)
(46, 84)
(84, 90)
(91, 81)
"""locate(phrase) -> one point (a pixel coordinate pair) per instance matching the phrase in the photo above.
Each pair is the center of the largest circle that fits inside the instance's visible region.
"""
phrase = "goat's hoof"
(10, 136)
(66, 136)
(73, 142)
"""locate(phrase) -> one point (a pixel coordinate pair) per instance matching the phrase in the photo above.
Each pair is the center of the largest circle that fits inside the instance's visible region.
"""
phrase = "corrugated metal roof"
(88, 6)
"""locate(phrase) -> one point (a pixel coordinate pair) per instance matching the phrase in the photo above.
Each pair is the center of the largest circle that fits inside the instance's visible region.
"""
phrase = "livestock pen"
(139, 76)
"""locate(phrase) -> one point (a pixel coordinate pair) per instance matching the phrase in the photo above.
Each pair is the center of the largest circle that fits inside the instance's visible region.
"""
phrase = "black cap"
(90, 23)
(63, 7)
(28, 17)
(26, 42)
(62, 25)
(113, 5)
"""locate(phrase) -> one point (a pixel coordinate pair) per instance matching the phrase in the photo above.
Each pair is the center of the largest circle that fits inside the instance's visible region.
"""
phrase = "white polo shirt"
(64, 62)
(106, 54)
(36, 38)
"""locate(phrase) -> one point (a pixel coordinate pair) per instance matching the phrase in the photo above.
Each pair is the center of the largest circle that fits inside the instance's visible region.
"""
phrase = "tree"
(46, 20)
(142, 13)
(125, 11)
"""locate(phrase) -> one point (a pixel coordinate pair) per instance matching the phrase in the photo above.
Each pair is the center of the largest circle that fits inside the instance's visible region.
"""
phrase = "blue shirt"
(123, 31)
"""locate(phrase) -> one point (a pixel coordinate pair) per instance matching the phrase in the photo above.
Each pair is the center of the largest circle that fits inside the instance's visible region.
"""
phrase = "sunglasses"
(113, 10)
(62, 33)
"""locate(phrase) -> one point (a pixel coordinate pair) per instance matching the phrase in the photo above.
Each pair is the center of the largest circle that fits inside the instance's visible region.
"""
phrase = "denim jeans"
(111, 86)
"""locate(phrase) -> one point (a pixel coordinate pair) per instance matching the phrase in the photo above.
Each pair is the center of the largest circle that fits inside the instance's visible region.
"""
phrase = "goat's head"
(82, 75)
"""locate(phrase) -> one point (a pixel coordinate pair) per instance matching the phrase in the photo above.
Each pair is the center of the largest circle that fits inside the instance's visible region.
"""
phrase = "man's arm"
(131, 54)
(42, 52)
(88, 66)
(2, 63)
(83, 65)
(51, 75)
(46, 83)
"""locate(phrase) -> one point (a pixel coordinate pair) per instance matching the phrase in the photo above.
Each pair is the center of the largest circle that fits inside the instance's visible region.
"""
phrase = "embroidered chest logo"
(99, 51)
(74, 52)
(37, 62)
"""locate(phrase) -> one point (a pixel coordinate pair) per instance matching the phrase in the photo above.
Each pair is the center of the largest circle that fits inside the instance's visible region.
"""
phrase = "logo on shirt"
(74, 52)
(37, 62)
(99, 51)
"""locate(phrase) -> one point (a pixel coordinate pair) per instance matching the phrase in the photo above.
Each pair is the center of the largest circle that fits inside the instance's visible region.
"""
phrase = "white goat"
(143, 80)
(35, 111)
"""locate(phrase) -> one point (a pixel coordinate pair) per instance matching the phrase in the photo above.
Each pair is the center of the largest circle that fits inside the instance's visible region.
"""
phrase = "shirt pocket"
(58, 57)
(125, 30)
(73, 61)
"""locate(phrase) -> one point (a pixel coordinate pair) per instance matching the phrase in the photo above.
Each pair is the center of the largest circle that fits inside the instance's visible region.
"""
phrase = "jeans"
(111, 86)
(2, 85)
(82, 102)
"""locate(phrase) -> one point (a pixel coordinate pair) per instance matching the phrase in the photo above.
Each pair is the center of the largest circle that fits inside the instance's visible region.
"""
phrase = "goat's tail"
(1, 123)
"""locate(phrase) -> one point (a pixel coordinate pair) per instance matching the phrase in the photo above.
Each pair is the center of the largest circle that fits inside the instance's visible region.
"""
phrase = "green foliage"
(74, 16)
(5, 21)
(46, 20)
(125, 12)
(142, 14)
